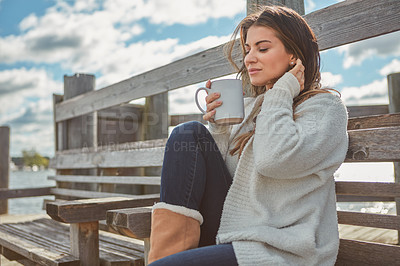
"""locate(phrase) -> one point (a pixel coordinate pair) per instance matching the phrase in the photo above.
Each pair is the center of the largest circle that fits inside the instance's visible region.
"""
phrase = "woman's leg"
(194, 175)
(221, 255)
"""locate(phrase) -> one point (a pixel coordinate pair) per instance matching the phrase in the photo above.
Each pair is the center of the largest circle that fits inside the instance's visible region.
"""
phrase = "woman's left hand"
(298, 72)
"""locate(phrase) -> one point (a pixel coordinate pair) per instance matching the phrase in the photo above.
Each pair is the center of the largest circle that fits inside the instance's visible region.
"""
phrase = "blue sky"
(43, 40)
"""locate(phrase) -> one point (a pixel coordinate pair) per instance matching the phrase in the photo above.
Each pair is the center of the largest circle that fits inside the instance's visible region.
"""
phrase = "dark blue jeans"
(194, 175)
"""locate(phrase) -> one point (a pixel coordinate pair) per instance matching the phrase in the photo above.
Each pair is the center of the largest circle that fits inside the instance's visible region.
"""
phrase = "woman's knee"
(189, 128)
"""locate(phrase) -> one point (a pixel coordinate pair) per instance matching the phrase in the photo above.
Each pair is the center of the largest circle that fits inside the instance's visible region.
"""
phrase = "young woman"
(261, 192)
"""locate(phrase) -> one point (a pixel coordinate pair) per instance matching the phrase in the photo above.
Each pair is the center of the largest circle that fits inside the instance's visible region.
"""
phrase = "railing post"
(155, 126)
(297, 5)
(4, 164)
(78, 132)
(394, 107)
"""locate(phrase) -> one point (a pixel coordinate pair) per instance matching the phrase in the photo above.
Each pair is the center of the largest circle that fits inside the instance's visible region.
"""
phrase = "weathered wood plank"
(374, 121)
(353, 252)
(369, 219)
(132, 180)
(353, 20)
(351, 198)
(95, 209)
(104, 159)
(342, 23)
(374, 145)
(35, 253)
(4, 165)
(85, 242)
(24, 192)
(368, 189)
(132, 222)
(10, 255)
(85, 194)
(357, 111)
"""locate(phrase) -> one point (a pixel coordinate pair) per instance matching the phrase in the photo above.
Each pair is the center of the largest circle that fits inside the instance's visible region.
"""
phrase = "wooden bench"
(372, 139)
(102, 171)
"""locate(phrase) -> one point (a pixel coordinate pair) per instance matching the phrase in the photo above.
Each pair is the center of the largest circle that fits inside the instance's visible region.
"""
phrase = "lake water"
(379, 172)
(26, 179)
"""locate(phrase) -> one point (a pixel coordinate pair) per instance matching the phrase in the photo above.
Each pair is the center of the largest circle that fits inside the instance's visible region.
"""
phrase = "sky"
(43, 40)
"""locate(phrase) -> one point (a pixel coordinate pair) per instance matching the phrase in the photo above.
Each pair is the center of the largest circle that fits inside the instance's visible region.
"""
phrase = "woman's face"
(266, 58)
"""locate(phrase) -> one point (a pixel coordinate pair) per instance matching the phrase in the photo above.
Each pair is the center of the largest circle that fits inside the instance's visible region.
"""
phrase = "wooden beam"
(339, 24)
(85, 194)
(369, 219)
(35, 254)
(85, 242)
(134, 158)
(374, 145)
(90, 210)
(4, 165)
(356, 111)
(24, 192)
(374, 121)
(377, 189)
(394, 107)
(354, 252)
(132, 222)
(130, 180)
(297, 5)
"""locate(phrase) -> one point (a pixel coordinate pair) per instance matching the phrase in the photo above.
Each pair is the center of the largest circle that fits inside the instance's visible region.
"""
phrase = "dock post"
(4, 164)
(394, 107)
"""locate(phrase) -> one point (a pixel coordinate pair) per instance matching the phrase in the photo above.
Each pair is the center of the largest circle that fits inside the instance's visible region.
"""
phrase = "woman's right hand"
(211, 104)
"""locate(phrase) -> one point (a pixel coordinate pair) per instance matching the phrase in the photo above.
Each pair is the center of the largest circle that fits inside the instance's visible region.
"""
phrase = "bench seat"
(47, 242)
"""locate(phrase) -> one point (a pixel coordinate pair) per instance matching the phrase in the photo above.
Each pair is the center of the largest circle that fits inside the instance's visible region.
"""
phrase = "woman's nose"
(250, 58)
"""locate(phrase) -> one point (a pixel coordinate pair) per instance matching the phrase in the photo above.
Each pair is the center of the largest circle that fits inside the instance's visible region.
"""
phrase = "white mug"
(231, 94)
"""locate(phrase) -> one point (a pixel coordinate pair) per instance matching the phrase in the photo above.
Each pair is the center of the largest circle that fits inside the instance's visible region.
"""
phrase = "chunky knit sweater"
(281, 207)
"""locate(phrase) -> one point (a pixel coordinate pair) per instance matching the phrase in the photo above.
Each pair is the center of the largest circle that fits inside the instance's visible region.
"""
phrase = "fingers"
(211, 103)
(298, 72)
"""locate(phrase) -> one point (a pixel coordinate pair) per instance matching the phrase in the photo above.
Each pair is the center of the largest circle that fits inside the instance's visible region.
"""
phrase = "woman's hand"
(298, 72)
(211, 104)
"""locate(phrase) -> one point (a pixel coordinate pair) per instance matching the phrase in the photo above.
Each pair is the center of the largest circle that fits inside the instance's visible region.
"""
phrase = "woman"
(279, 208)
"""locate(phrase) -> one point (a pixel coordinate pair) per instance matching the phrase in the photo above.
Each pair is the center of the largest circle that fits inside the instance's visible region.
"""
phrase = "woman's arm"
(288, 148)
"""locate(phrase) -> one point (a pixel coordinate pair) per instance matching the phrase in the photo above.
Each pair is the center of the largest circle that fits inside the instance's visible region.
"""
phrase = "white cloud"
(382, 46)
(309, 6)
(26, 105)
(392, 67)
(371, 94)
(95, 40)
(330, 80)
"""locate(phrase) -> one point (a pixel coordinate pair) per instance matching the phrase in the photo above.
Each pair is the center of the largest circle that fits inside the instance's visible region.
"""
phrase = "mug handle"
(197, 101)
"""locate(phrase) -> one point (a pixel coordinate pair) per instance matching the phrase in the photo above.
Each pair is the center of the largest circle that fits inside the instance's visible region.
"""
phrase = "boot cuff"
(181, 210)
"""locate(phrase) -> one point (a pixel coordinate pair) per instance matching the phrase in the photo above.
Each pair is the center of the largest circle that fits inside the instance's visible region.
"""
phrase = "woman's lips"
(253, 71)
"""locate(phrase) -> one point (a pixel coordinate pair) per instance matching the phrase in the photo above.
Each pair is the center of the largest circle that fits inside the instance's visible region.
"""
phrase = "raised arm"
(285, 147)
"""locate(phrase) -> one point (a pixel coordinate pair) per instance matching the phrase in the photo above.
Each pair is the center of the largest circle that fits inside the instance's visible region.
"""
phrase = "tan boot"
(173, 229)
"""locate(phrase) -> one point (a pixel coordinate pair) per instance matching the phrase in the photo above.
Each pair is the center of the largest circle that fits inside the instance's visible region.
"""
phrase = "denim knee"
(190, 128)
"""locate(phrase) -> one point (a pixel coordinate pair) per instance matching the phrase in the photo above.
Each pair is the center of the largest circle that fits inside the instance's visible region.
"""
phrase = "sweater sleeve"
(285, 147)
(220, 134)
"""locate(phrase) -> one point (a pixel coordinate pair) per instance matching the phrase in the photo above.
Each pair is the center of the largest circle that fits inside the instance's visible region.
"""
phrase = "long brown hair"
(297, 37)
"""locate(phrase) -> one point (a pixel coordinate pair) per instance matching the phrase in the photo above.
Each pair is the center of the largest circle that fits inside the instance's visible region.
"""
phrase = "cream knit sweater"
(281, 207)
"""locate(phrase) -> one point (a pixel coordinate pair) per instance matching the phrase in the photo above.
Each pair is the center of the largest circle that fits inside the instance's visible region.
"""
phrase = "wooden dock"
(345, 231)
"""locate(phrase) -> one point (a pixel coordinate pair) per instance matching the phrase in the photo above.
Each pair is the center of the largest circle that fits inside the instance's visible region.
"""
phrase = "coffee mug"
(231, 94)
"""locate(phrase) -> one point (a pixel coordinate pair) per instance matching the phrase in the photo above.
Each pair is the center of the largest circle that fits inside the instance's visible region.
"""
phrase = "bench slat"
(6, 193)
(132, 222)
(35, 254)
(374, 145)
(354, 252)
(79, 211)
(351, 198)
(384, 189)
(369, 219)
(374, 121)
(131, 180)
(110, 159)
